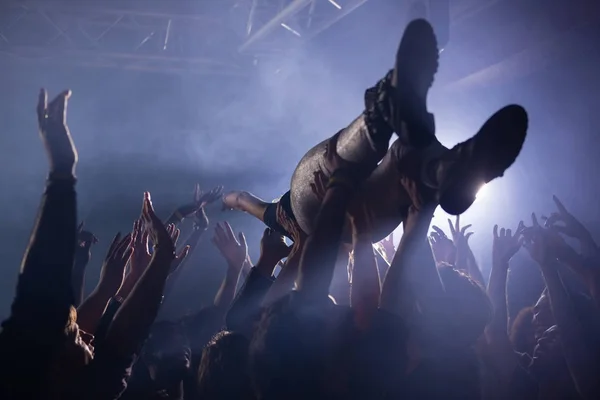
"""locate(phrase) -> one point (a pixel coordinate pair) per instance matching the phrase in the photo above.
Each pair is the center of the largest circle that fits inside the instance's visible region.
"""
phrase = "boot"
(460, 172)
(417, 61)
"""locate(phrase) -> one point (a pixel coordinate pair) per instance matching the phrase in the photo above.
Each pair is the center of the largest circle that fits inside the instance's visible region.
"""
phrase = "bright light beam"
(290, 29)
(336, 5)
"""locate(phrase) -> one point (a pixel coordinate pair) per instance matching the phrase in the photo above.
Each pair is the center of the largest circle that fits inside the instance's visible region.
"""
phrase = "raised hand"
(85, 240)
(460, 236)
(565, 223)
(141, 248)
(388, 247)
(163, 238)
(442, 247)
(319, 185)
(272, 248)
(174, 233)
(506, 244)
(290, 226)
(544, 245)
(112, 273)
(52, 123)
(204, 198)
(234, 250)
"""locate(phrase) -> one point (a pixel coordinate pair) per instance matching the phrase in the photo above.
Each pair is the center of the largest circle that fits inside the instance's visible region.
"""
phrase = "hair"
(286, 357)
(161, 337)
(470, 307)
(223, 372)
(521, 331)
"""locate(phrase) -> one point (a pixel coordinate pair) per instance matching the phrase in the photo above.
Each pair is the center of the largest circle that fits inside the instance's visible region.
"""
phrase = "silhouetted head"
(167, 352)
(223, 372)
(468, 305)
(287, 351)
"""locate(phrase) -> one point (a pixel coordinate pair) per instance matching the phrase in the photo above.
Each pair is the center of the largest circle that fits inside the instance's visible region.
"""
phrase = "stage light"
(482, 192)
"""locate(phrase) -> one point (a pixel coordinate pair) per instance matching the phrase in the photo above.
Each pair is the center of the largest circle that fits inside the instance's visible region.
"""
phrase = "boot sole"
(496, 147)
(417, 61)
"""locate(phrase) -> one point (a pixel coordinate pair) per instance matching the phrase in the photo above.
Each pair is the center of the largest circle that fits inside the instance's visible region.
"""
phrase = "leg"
(396, 101)
(246, 202)
(260, 209)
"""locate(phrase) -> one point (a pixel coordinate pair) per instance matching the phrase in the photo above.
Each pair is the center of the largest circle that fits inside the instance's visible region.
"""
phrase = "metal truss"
(222, 37)
(164, 36)
(275, 24)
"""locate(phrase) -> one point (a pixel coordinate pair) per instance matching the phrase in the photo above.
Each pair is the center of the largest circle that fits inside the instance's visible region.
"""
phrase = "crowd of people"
(417, 322)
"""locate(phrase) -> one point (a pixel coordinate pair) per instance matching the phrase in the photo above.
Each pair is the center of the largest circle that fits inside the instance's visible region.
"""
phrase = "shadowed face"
(167, 351)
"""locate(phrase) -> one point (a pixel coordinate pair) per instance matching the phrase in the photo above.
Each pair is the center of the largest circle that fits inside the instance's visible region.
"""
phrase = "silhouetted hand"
(85, 240)
(460, 236)
(442, 247)
(202, 198)
(234, 250)
(388, 247)
(506, 245)
(545, 245)
(112, 273)
(174, 233)
(160, 236)
(273, 248)
(52, 123)
(141, 249)
(319, 185)
(290, 225)
(565, 223)
(415, 193)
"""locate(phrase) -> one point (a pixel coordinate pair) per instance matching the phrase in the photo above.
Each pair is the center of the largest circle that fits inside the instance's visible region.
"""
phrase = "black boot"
(398, 102)
(461, 171)
(413, 74)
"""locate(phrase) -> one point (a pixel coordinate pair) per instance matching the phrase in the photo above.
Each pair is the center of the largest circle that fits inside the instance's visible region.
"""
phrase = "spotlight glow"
(482, 192)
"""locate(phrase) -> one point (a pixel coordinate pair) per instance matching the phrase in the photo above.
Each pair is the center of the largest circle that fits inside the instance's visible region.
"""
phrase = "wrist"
(266, 266)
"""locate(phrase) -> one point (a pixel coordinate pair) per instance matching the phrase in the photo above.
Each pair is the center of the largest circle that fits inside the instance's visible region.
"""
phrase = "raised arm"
(413, 275)
(83, 253)
(366, 288)
(235, 253)
(505, 246)
(132, 322)
(465, 259)
(200, 226)
(544, 245)
(201, 199)
(44, 294)
(112, 273)
(246, 305)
